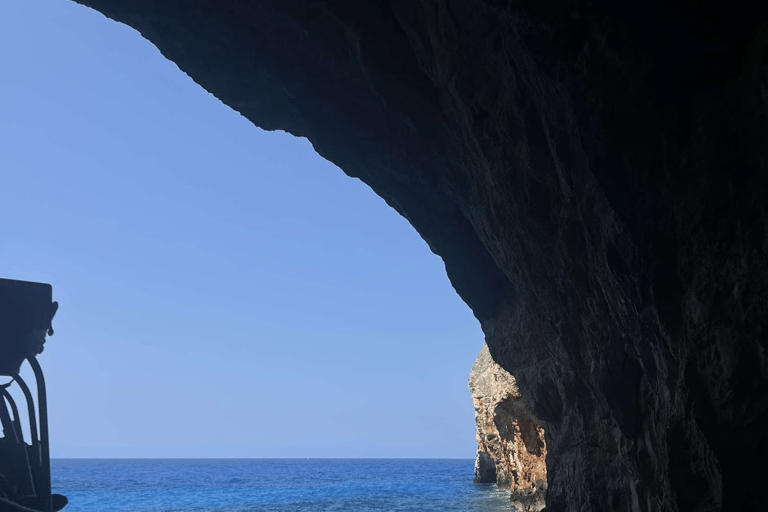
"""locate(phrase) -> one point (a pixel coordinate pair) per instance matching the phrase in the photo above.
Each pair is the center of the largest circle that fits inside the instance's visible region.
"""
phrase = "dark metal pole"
(14, 410)
(31, 413)
(20, 436)
(5, 419)
(45, 453)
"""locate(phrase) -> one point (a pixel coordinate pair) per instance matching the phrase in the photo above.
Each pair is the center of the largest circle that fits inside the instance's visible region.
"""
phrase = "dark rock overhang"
(593, 175)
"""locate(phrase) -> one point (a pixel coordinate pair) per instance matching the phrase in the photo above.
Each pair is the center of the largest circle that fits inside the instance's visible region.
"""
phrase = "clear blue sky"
(224, 291)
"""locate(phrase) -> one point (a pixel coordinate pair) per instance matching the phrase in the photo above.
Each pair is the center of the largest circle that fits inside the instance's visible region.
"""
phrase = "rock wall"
(592, 173)
(511, 450)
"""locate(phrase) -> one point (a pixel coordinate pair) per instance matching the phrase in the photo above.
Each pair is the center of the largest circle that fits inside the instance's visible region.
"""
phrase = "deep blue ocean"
(273, 485)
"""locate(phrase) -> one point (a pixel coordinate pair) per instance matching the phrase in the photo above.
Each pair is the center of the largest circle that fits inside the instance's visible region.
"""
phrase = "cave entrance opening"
(223, 249)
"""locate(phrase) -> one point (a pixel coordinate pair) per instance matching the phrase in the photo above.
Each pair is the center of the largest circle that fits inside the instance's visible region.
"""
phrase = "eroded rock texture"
(511, 450)
(593, 175)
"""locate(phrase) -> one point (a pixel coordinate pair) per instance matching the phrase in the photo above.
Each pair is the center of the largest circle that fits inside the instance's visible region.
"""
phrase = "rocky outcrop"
(511, 450)
(594, 176)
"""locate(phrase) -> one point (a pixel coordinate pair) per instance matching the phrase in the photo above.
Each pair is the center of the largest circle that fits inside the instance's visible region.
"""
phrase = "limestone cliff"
(594, 175)
(511, 450)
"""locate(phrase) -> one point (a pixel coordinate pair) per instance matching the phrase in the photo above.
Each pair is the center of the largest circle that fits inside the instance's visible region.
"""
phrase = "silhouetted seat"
(26, 313)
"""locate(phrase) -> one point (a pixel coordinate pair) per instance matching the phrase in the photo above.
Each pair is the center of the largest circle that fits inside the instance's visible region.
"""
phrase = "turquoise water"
(273, 485)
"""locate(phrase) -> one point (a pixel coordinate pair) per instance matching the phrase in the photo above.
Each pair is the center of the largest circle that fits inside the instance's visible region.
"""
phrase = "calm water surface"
(273, 485)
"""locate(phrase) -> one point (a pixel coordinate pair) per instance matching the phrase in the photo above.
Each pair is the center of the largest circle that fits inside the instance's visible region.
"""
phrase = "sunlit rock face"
(593, 175)
(511, 449)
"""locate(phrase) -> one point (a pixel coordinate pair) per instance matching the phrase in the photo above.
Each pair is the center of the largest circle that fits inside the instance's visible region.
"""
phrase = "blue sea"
(273, 485)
